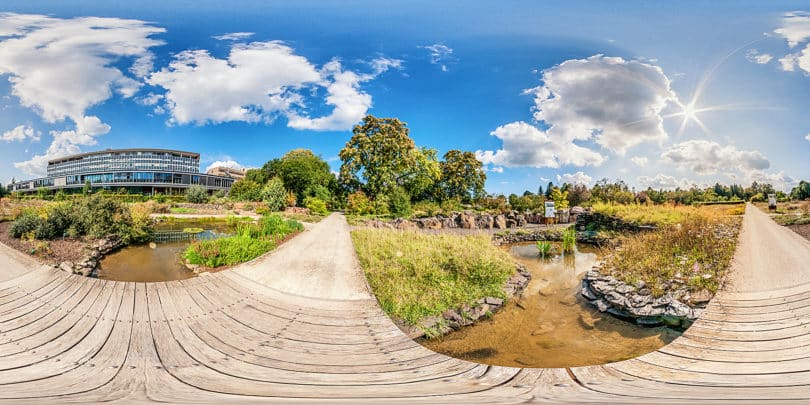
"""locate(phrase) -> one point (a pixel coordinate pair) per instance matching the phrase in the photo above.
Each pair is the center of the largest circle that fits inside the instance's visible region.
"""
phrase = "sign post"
(550, 212)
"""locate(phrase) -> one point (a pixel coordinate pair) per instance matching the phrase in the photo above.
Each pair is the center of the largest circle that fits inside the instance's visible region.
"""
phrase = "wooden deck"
(260, 332)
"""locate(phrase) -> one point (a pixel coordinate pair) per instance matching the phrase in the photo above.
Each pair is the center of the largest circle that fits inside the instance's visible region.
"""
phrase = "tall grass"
(657, 215)
(415, 275)
(251, 241)
(569, 240)
(544, 247)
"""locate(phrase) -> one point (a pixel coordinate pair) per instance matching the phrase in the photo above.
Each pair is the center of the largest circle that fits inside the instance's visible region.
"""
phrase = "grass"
(182, 210)
(357, 220)
(251, 241)
(416, 275)
(310, 218)
(544, 247)
(695, 253)
(656, 215)
(569, 240)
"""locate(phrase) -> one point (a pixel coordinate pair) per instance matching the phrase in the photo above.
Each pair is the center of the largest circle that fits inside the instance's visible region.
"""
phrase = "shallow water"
(163, 262)
(556, 328)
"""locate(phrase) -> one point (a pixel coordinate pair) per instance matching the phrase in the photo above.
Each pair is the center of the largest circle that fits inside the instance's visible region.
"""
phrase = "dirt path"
(319, 263)
(768, 257)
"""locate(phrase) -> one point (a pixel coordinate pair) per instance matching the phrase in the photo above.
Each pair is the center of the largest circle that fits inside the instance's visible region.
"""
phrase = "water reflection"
(551, 325)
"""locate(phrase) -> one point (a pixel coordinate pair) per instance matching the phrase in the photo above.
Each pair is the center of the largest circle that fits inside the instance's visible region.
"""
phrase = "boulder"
(493, 301)
(466, 220)
(404, 224)
(500, 222)
(701, 297)
(511, 223)
(66, 266)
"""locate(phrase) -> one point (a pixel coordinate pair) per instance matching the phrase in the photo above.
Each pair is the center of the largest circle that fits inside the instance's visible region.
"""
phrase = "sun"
(690, 112)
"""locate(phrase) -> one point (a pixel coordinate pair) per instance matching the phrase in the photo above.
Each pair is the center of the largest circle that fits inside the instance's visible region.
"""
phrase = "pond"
(552, 325)
(160, 261)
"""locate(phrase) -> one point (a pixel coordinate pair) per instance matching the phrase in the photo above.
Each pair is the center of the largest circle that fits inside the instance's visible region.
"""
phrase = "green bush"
(274, 194)
(320, 192)
(359, 204)
(316, 205)
(24, 224)
(422, 209)
(196, 194)
(380, 205)
(246, 190)
(400, 203)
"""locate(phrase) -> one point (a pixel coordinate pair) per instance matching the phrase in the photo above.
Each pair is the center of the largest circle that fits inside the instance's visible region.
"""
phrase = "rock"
(511, 223)
(482, 311)
(430, 322)
(66, 266)
(618, 312)
(649, 320)
(600, 304)
(587, 292)
(451, 315)
(466, 220)
(500, 222)
(646, 311)
(521, 220)
(404, 224)
(677, 309)
(587, 322)
(638, 300)
(701, 297)
(493, 301)
(662, 301)
(624, 288)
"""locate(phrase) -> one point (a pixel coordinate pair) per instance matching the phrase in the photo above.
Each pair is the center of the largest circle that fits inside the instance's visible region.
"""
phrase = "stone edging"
(94, 253)
(675, 308)
(455, 319)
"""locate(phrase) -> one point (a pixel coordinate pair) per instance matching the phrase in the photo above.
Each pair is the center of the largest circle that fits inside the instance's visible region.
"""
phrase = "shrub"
(246, 190)
(320, 192)
(274, 194)
(422, 209)
(290, 200)
(219, 194)
(196, 194)
(316, 205)
(380, 205)
(400, 203)
(262, 209)
(24, 224)
(358, 204)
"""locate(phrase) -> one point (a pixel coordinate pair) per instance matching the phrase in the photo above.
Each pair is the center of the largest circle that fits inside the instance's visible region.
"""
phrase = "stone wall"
(677, 307)
(551, 234)
(463, 220)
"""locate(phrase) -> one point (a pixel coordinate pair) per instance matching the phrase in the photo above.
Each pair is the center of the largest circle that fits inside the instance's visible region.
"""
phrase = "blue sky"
(541, 92)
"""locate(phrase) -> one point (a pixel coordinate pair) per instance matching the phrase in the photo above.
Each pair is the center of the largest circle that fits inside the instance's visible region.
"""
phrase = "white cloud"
(259, 82)
(21, 133)
(640, 161)
(795, 27)
(493, 169)
(233, 36)
(759, 58)
(232, 164)
(708, 157)
(382, 64)
(575, 178)
(664, 182)
(807, 137)
(614, 101)
(440, 54)
(60, 68)
(526, 145)
(779, 180)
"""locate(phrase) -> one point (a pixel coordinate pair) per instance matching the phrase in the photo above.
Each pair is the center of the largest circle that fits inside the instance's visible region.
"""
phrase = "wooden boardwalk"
(301, 323)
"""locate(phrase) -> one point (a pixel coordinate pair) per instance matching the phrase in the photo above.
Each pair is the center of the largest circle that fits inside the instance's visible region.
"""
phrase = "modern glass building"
(147, 171)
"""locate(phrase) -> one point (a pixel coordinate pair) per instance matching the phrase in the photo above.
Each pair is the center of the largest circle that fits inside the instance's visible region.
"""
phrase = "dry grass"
(415, 275)
(694, 252)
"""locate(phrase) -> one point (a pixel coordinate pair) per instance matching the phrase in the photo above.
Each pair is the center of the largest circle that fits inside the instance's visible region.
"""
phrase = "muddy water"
(556, 328)
(158, 262)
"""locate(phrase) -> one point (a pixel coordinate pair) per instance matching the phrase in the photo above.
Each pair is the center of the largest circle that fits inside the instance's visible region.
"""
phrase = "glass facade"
(148, 169)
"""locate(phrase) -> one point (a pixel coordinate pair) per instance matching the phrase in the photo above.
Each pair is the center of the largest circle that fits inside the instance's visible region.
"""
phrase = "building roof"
(101, 152)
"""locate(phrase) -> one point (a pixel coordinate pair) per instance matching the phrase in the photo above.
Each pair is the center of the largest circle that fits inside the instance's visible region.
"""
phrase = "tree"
(3, 190)
(87, 187)
(540, 190)
(259, 176)
(196, 194)
(801, 192)
(420, 180)
(378, 157)
(246, 190)
(560, 198)
(300, 169)
(578, 194)
(462, 176)
(548, 190)
(274, 194)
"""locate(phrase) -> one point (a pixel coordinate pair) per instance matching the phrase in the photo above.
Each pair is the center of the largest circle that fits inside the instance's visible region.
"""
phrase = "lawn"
(416, 275)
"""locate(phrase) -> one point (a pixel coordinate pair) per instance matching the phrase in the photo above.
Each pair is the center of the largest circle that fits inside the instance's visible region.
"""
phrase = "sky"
(658, 94)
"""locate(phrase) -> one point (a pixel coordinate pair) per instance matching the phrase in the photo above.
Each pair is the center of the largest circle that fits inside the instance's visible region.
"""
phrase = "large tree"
(301, 171)
(381, 156)
(463, 175)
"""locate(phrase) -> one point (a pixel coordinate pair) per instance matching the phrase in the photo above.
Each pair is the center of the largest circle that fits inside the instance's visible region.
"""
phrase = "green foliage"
(359, 204)
(42, 193)
(316, 205)
(378, 155)
(259, 176)
(320, 192)
(399, 203)
(423, 209)
(250, 242)
(801, 191)
(569, 240)
(656, 215)
(560, 198)
(246, 190)
(182, 210)
(544, 247)
(96, 217)
(462, 176)
(415, 275)
(274, 194)
(381, 205)
(196, 194)
(300, 170)
(87, 187)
